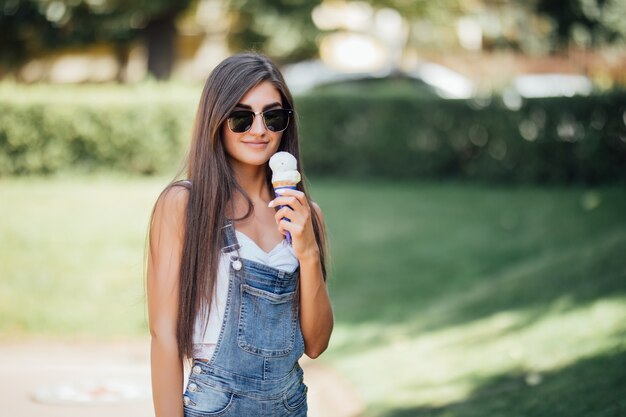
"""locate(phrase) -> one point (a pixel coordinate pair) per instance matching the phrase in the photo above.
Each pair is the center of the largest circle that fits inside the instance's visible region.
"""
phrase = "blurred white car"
(306, 75)
(439, 80)
(446, 82)
(552, 85)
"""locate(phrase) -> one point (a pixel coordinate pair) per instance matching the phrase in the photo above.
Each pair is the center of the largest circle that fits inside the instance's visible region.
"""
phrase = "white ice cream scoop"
(284, 168)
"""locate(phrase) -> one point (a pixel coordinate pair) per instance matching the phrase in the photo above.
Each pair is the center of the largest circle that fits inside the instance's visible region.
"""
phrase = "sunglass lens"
(276, 120)
(240, 121)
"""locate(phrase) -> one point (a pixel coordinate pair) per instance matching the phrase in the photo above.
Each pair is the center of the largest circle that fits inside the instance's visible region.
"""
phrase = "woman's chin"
(255, 160)
(257, 156)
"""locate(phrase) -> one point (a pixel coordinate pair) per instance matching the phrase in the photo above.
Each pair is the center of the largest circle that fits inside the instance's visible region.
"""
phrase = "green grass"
(450, 299)
(472, 300)
(71, 256)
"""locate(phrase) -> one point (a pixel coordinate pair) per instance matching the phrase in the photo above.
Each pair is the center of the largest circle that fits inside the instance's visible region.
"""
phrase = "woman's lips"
(258, 145)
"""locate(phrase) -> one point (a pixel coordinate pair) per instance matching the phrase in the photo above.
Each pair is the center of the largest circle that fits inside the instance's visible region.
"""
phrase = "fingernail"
(279, 191)
(271, 204)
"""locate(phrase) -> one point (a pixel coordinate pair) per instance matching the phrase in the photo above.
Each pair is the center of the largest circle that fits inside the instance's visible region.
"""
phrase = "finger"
(288, 213)
(295, 193)
(286, 201)
(292, 227)
(282, 213)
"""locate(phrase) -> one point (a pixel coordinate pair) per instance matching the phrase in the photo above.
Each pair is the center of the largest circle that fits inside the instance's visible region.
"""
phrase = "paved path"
(28, 370)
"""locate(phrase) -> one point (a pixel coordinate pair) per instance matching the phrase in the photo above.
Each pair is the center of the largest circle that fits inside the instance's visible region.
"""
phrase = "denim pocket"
(267, 322)
(203, 401)
(295, 398)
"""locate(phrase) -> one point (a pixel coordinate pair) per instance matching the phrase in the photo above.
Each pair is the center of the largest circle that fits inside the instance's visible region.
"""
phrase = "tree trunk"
(121, 50)
(160, 35)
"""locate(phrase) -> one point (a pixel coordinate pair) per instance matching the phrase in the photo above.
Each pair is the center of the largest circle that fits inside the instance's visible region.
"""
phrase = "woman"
(225, 289)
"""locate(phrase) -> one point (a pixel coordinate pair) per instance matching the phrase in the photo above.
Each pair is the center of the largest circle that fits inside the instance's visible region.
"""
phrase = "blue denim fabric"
(254, 370)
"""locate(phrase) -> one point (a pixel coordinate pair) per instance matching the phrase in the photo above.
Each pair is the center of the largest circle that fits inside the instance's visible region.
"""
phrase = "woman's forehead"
(261, 96)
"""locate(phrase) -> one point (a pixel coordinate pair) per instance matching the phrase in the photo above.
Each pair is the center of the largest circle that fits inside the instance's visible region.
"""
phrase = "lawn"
(450, 299)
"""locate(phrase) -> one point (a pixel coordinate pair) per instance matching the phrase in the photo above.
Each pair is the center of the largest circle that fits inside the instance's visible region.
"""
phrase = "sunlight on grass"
(445, 366)
(72, 255)
(456, 299)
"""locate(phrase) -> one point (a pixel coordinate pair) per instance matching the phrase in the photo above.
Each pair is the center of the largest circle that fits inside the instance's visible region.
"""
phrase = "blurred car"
(307, 75)
(427, 79)
(552, 85)
(446, 82)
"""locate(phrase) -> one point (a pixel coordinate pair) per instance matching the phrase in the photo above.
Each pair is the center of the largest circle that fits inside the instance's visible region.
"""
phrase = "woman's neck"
(252, 179)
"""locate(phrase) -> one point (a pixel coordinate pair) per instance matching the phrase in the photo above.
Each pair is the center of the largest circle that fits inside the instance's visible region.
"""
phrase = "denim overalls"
(254, 370)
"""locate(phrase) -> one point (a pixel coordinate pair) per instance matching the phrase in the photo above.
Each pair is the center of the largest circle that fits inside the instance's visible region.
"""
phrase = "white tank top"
(281, 257)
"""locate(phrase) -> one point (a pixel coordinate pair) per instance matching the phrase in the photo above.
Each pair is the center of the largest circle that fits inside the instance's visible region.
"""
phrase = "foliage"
(586, 22)
(30, 27)
(440, 12)
(139, 130)
(578, 139)
(282, 29)
(373, 131)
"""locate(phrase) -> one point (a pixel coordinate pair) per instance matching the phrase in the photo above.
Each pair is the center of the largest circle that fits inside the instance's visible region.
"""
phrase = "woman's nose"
(258, 126)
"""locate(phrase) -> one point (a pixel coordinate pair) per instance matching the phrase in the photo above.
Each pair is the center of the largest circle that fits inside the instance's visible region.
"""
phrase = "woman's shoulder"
(168, 217)
(177, 190)
(174, 198)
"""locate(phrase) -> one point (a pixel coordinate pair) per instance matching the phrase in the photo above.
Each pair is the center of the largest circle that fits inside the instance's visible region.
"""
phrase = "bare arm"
(316, 314)
(165, 249)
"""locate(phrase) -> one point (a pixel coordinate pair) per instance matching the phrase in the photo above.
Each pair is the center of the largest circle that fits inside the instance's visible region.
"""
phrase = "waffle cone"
(277, 184)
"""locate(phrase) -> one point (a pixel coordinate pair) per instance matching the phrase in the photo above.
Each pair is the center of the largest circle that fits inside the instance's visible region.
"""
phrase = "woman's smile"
(257, 145)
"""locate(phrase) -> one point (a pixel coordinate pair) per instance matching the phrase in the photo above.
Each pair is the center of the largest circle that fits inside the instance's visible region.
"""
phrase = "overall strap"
(229, 239)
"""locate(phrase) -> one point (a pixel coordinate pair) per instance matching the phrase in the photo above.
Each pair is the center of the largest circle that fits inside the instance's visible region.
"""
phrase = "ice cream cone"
(284, 175)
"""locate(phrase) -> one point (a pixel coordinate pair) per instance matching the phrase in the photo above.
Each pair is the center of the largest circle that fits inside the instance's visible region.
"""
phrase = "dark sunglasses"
(275, 120)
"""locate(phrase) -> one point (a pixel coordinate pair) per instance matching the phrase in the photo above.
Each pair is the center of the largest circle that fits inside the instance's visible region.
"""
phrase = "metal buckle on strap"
(226, 249)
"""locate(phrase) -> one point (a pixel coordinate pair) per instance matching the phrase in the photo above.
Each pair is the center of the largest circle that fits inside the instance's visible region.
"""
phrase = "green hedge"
(578, 139)
(46, 129)
(146, 129)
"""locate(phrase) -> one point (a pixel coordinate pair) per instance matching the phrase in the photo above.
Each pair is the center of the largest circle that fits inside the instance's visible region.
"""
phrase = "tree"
(30, 27)
(590, 22)
(282, 29)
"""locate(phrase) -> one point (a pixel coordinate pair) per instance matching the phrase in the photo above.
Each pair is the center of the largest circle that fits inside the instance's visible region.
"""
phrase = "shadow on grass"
(429, 256)
(592, 387)
(576, 276)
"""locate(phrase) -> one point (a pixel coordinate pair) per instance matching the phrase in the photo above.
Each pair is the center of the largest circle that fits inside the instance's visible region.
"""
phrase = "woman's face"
(257, 145)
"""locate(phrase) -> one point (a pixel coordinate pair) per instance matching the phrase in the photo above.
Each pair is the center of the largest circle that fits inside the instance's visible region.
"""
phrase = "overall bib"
(254, 370)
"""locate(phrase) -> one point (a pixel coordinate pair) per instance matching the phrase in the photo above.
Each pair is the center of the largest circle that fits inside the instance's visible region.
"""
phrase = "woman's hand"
(300, 225)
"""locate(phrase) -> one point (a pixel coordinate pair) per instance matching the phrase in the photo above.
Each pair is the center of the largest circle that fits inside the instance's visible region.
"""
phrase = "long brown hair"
(213, 182)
